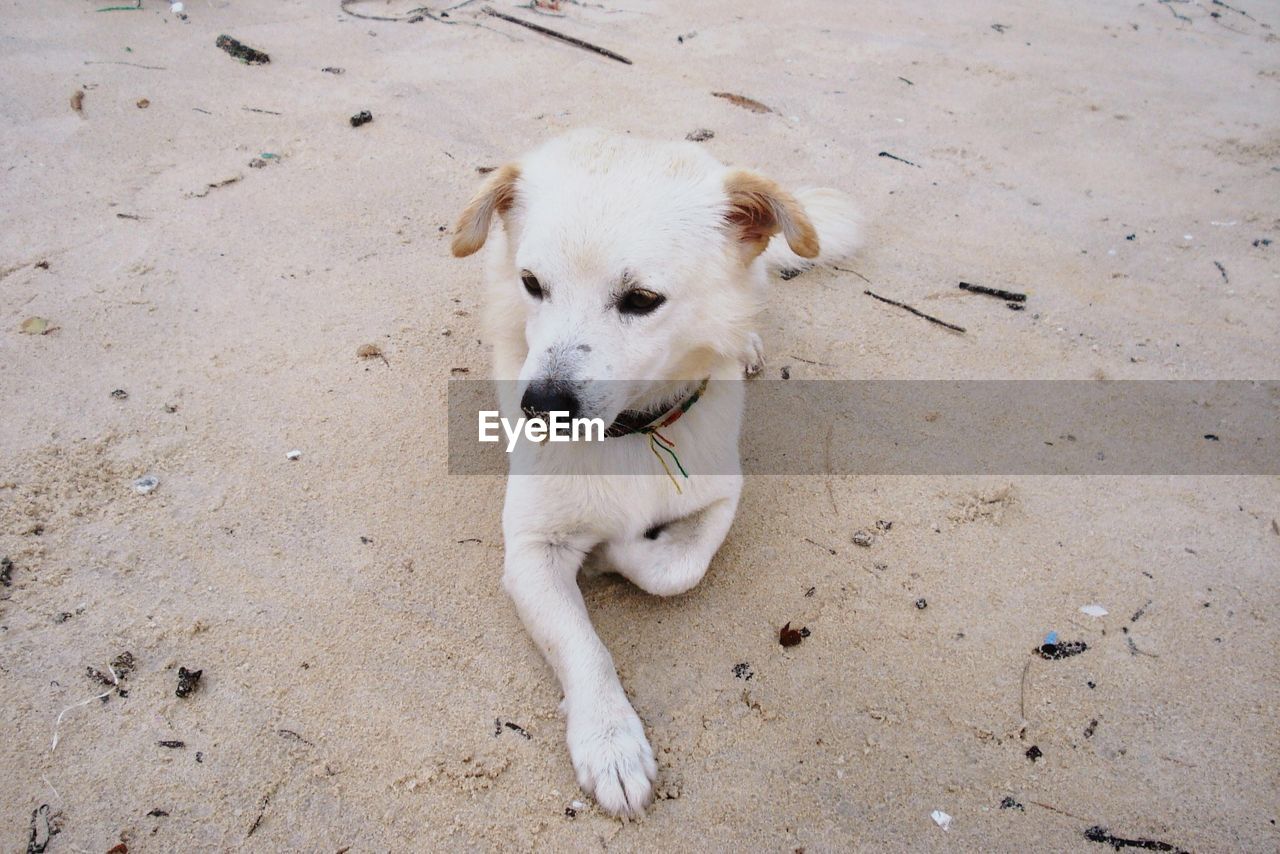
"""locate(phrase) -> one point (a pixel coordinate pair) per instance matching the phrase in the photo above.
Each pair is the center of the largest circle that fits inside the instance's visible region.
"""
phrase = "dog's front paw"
(613, 760)
(754, 357)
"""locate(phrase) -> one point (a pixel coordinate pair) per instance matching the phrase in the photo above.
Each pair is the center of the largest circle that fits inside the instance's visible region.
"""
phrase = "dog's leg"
(610, 753)
(754, 358)
(672, 558)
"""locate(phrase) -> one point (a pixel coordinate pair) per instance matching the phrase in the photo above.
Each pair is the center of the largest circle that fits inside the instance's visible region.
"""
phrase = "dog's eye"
(532, 285)
(640, 301)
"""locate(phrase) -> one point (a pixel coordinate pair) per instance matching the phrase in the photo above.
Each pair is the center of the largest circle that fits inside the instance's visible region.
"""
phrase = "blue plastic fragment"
(1051, 638)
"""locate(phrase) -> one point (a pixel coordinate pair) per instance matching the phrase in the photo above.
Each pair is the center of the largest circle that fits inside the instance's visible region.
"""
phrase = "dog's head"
(624, 266)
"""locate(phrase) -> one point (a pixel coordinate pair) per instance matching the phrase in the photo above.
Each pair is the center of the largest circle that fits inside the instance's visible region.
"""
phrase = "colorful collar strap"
(672, 415)
(659, 442)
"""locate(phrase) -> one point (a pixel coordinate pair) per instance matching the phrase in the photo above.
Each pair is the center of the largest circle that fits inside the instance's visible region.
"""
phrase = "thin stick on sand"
(489, 10)
(915, 311)
(1011, 296)
(855, 272)
(117, 62)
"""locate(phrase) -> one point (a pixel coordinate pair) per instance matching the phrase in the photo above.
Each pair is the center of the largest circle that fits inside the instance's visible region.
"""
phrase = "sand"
(345, 607)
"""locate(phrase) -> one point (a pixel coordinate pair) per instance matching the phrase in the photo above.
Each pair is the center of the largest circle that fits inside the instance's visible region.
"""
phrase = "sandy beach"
(206, 245)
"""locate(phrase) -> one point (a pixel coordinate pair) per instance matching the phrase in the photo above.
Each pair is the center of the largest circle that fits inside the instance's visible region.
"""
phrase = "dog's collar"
(651, 421)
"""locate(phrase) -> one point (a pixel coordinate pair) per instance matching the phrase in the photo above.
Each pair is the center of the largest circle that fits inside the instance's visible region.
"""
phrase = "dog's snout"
(543, 397)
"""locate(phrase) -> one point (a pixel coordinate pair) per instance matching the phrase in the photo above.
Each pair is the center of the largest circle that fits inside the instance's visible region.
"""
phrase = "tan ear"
(759, 209)
(497, 194)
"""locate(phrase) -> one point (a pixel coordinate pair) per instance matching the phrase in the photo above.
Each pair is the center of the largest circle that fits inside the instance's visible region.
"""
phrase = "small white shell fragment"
(941, 819)
(294, 454)
(145, 484)
(176, 8)
(1093, 610)
(577, 805)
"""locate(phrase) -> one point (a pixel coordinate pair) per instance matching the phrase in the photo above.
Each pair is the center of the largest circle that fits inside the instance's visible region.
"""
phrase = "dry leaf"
(37, 326)
(788, 636)
(743, 101)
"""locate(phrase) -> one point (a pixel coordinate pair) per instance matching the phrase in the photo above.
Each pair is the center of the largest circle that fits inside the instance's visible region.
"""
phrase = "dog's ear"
(759, 209)
(497, 194)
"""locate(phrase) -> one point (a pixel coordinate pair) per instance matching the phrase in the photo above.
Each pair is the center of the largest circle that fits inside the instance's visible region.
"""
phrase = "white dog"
(627, 272)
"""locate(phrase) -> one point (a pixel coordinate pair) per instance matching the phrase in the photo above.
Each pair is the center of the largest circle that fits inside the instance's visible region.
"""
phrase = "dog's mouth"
(632, 421)
(628, 421)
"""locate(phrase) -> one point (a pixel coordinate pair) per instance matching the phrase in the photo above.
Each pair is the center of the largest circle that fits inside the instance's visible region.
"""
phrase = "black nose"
(543, 397)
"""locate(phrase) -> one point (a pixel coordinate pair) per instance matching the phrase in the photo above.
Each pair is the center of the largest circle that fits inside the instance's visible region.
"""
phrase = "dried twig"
(117, 62)
(1234, 9)
(1133, 649)
(1022, 691)
(855, 272)
(213, 186)
(1011, 296)
(809, 361)
(262, 809)
(1216, 17)
(1098, 833)
(900, 159)
(537, 28)
(1052, 808)
(1173, 11)
(825, 548)
(915, 311)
